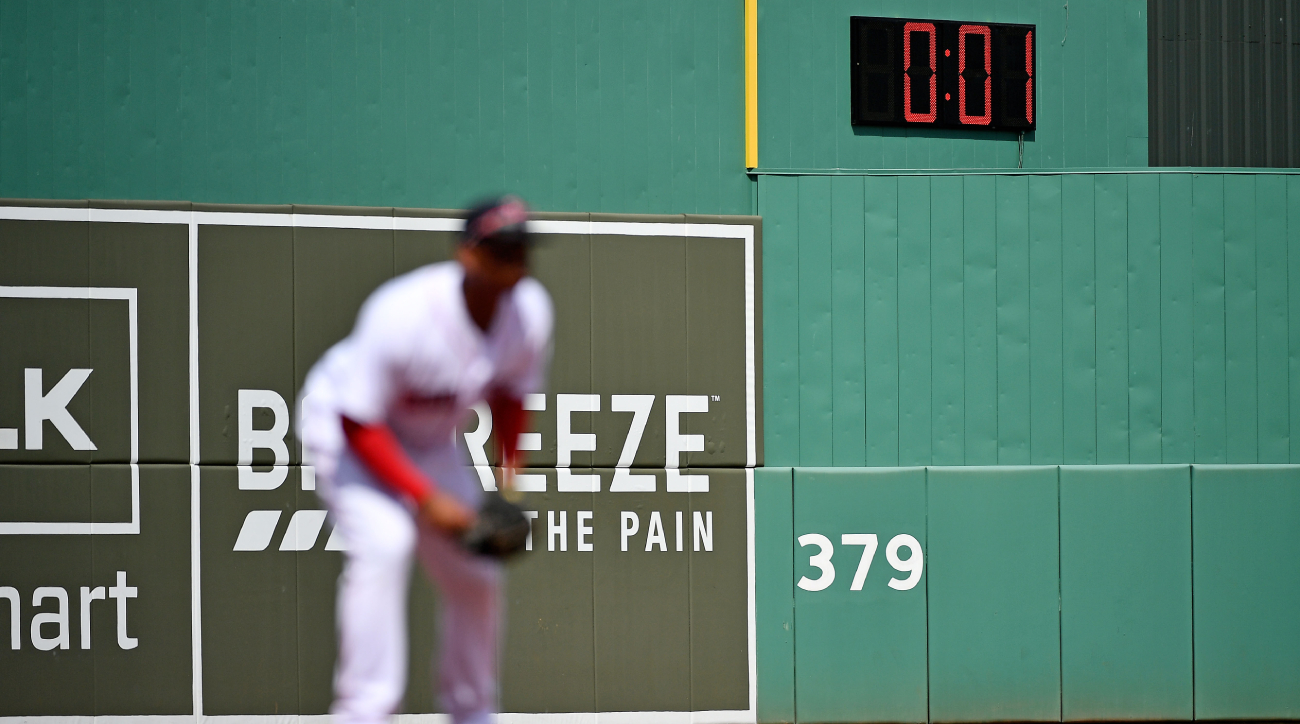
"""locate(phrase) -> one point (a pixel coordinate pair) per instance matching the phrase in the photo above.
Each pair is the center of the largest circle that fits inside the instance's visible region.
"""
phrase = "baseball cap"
(498, 221)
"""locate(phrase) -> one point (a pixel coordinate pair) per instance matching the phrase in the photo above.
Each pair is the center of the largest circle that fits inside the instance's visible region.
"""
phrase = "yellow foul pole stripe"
(751, 83)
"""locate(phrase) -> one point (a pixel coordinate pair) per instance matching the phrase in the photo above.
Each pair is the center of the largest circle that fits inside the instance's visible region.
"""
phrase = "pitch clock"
(942, 74)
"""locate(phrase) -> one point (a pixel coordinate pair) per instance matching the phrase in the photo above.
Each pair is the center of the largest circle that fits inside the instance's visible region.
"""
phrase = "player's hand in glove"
(500, 531)
(446, 514)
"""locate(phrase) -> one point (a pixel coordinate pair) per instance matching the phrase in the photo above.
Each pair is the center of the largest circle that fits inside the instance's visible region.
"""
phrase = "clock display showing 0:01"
(942, 74)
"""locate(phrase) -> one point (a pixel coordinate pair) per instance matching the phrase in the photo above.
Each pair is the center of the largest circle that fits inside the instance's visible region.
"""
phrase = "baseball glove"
(501, 530)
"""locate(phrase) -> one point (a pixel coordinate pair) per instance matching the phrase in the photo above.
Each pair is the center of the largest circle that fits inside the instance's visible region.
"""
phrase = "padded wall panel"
(715, 318)
(156, 676)
(1126, 593)
(37, 681)
(334, 271)
(639, 336)
(715, 526)
(316, 578)
(860, 655)
(246, 318)
(567, 257)
(774, 593)
(551, 635)
(1246, 576)
(994, 612)
(53, 335)
(134, 656)
(250, 664)
(153, 259)
(643, 609)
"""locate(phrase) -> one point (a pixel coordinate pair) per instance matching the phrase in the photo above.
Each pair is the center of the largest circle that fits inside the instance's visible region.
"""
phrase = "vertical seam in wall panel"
(830, 242)
(1286, 254)
(1192, 306)
(794, 628)
(1223, 264)
(865, 402)
(196, 605)
(1096, 353)
(1255, 271)
(1060, 615)
(1061, 291)
(591, 362)
(1128, 321)
(927, 597)
(1160, 295)
(1191, 508)
(1029, 317)
(997, 341)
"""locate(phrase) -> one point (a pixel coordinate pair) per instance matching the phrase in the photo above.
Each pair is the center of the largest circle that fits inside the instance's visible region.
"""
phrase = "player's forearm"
(379, 450)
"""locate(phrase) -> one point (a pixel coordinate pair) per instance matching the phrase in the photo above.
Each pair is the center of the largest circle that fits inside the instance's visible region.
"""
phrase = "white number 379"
(821, 560)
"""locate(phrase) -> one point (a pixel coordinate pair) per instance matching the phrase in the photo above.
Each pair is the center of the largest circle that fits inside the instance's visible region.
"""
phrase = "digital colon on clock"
(942, 74)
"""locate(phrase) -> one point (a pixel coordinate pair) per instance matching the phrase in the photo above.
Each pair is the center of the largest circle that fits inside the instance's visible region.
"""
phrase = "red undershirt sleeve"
(380, 451)
(508, 417)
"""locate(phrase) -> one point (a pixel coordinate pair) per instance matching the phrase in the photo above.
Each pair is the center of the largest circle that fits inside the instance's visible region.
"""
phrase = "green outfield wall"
(589, 105)
(1030, 409)
(1049, 593)
(1091, 83)
(1073, 318)
(582, 105)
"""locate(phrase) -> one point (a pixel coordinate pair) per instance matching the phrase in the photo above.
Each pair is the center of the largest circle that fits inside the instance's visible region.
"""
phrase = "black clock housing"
(942, 74)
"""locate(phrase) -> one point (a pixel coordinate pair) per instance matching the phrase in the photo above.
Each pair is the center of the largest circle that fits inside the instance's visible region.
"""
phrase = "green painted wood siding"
(1092, 88)
(579, 105)
(1031, 319)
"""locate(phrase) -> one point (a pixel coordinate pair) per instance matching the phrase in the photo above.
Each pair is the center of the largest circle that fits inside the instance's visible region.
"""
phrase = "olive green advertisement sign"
(162, 549)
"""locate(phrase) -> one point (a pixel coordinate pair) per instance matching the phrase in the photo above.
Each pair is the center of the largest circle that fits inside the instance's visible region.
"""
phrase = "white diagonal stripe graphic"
(304, 528)
(258, 528)
(335, 543)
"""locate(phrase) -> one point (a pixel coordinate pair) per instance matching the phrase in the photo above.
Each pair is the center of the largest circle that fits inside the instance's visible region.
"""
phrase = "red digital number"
(1029, 70)
(973, 99)
(912, 78)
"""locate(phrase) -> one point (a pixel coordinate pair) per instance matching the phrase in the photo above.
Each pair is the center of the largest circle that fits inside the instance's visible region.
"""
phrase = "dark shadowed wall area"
(1225, 82)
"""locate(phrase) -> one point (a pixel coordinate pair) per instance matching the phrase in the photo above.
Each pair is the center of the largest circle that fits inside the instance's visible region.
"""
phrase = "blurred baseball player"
(379, 416)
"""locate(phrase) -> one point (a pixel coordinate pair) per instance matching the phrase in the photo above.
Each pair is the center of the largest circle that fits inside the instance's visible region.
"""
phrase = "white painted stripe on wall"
(415, 223)
(750, 563)
(196, 588)
(333, 221)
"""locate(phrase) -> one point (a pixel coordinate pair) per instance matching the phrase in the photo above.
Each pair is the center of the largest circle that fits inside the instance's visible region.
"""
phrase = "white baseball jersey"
(418, 362)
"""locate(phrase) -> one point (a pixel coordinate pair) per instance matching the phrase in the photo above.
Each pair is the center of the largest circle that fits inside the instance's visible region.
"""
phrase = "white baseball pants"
(381, 536)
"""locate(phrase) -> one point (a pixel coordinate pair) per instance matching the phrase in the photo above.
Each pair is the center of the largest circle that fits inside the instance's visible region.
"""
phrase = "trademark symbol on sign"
(715, 398)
